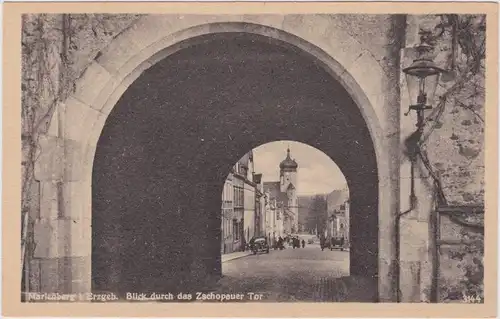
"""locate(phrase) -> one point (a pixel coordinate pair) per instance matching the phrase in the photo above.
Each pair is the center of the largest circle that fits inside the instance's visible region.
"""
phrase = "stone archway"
(142, 46)
(169, 142)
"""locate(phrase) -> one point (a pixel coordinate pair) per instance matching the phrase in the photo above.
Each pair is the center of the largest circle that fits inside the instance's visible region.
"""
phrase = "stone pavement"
(345, 289)
(304, 274)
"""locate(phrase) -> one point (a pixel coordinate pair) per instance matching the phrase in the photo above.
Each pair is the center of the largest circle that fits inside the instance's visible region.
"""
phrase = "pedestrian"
(252, 240)
(243, 245)
(303, 243)
(280, 243)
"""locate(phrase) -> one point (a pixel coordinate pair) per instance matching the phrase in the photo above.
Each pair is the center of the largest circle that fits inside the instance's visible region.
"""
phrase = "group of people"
(295, 242)
(291, 241)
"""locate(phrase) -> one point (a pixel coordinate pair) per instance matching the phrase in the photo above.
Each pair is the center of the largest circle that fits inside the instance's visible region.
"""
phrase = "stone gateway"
(157, 109)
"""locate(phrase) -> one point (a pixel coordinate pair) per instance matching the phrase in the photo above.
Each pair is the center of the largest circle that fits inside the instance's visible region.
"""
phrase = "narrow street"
(305, 274)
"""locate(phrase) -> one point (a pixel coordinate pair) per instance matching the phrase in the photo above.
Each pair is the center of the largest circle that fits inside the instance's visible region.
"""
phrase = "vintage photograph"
(224, 158)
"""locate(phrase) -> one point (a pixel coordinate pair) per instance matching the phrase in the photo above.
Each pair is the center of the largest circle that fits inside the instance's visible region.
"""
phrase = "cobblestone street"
(305, 274)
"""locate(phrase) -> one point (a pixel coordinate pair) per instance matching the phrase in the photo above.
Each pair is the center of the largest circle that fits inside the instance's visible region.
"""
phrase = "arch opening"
(285, 208)
(177, 130)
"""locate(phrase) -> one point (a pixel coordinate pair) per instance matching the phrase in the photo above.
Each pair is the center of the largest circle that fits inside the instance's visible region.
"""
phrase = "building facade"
(244, 207)
(233, 208)
(288, 185)
(284, 193)
(338, 224)
(227, 228)
(338, 214)
(347, 224)
(268, 218)
(249, 210)
(260, 207)
(251, 207)
(274, 219)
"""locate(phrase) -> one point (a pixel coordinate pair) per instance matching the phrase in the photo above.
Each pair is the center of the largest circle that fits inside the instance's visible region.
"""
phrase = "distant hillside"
(334, 200)
(305, 204)
(304, 207)
(337, 198)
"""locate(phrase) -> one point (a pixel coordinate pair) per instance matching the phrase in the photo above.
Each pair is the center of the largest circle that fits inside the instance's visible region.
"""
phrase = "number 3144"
(472, 299)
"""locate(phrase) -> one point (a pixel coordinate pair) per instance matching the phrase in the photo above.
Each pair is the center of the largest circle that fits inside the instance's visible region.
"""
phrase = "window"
(238, 196)
(241, 196)
(236, 234)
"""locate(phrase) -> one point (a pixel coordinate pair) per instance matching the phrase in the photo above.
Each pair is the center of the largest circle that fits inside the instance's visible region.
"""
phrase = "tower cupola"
(288, 162)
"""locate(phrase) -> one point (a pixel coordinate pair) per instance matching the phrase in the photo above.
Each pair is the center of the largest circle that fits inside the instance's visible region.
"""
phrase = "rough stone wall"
(56, 49)
(461, 270)
(455, 146)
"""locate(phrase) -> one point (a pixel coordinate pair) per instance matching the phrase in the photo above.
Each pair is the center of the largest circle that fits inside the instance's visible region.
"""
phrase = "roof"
(248, 157)
(288, 162)
(273, 188)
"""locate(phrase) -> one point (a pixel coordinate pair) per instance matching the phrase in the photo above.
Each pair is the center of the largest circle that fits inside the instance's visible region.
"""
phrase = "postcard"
(250, 159)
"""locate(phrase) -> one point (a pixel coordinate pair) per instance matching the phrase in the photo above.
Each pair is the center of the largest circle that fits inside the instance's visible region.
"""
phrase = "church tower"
(288, 185)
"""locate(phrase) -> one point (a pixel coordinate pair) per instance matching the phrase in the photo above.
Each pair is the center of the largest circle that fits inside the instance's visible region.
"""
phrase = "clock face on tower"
(287, 176)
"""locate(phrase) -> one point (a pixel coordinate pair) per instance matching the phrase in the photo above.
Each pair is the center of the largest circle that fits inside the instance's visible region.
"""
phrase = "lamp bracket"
(418, 107)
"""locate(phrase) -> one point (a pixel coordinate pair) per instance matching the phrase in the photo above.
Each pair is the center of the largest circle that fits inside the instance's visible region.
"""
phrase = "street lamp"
(422, 77)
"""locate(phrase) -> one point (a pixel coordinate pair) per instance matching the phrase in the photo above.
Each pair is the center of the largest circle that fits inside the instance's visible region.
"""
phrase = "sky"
(317, 173)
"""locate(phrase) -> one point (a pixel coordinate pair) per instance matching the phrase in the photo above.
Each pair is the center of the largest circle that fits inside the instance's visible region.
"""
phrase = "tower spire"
(288, 162)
